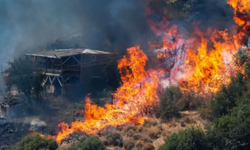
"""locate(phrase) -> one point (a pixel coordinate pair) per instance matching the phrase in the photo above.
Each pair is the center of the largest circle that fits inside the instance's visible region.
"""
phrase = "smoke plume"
(29, 24)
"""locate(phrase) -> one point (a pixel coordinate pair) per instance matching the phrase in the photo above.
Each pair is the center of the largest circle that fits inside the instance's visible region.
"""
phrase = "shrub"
(170, 104)
(150, 122)
(139, 145)
(233, 129)
(137, 136)
(129, 127)
(36, 142)
(206, 113)
(148, 146)
(225, 100)
(145, 138)
(154, 133)
(129, 145)
(24, 76)
(189, 139)
(91, 143)
(114, 139)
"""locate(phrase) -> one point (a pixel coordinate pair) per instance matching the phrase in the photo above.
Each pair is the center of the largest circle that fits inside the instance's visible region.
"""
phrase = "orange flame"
(209, 69)
(130, 100)
(203, 62)
(208, 62)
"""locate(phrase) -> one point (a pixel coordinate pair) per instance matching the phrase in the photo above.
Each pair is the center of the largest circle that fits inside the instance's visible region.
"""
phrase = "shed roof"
(66, 52)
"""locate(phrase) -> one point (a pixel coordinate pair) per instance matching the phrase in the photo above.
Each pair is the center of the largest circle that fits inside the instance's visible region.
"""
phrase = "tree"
(189, 139)
(36, 142)
(24, 77)
(235, 126)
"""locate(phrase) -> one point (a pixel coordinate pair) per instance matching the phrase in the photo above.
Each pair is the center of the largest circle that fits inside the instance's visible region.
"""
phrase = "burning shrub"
(91, 143)
(115, 139)
(31, 142)
(188, 139)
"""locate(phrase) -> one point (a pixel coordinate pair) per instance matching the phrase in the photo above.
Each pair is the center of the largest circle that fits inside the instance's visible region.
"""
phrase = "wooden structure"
(71, 70)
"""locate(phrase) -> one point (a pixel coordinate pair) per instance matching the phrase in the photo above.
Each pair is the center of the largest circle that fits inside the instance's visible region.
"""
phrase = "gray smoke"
(30, 24)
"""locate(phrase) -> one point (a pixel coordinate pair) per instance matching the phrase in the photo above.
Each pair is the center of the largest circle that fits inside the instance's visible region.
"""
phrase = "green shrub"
(170, 104)
(91, 143)
(36, 142)
(226, 99)
(206, 113)
(234, 128)
(189, 139)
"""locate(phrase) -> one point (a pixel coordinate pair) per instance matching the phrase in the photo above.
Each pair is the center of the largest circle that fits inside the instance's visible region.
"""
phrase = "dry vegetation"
(149, 136)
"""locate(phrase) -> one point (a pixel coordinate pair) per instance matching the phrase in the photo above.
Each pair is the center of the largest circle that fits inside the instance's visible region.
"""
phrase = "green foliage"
(170, 103)
(231, 117)
(234, 127)
(91, 143)
(22, 75)
(225, 100)
(189, 139)
(37, 142)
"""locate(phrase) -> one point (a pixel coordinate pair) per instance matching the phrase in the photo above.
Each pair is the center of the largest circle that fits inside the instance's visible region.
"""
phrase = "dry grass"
(114, 139)
(151, 135)
(154, 132)
(139, 145)
(150, 122)
(66, 146)
(148, 146)
(129, 128)
(145, 138)
(129, 145)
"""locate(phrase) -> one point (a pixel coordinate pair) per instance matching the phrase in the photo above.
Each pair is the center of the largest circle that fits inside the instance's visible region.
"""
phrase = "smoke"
(34, 122)
(30, 24)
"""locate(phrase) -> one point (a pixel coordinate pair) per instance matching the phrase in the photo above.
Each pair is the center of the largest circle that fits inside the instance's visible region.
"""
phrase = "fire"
(242, 17)
(130, 103)
(200, 62)
(204, 59)
(209, 69)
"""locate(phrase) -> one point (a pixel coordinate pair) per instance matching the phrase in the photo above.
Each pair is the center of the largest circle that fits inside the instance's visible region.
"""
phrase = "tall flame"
(202, 63)
(130, 100)
(208, 56)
